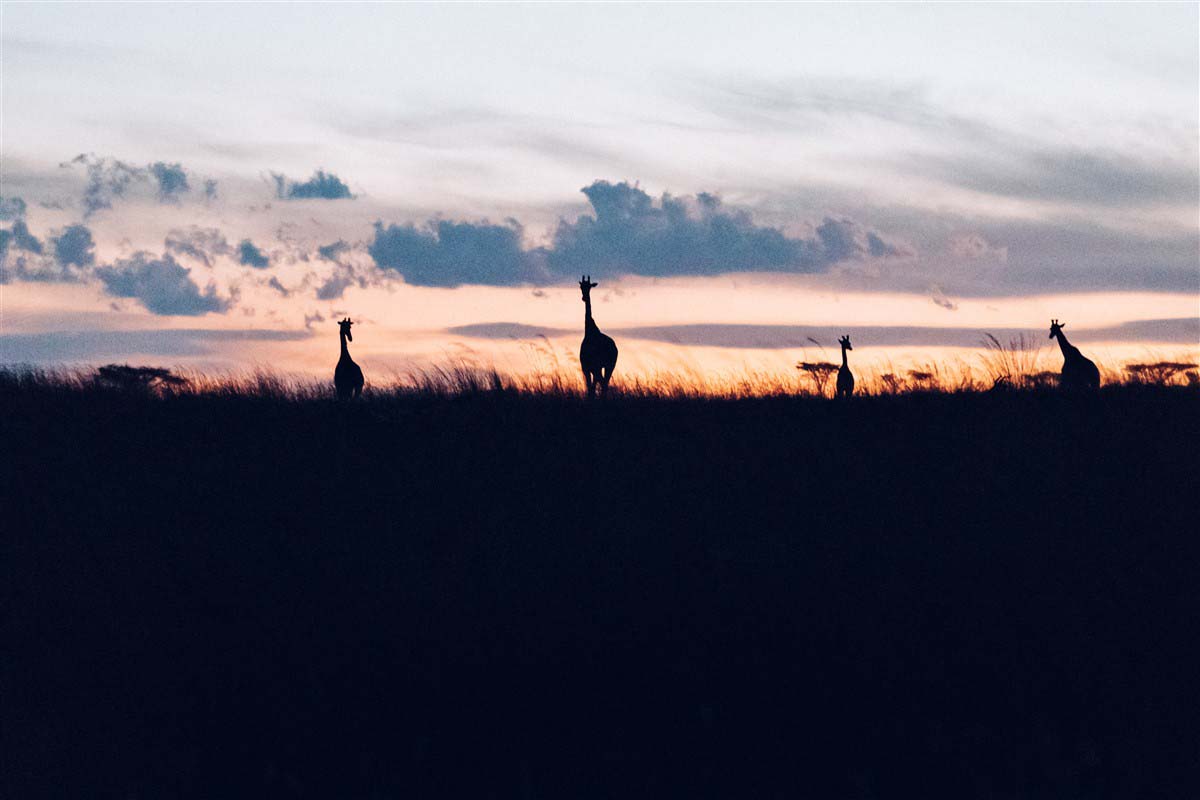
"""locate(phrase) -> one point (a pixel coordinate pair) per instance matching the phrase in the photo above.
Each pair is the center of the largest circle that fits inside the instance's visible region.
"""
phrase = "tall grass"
(1016, 365)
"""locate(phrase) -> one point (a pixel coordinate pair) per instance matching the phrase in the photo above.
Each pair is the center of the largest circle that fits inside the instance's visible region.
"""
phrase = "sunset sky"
(212, 185)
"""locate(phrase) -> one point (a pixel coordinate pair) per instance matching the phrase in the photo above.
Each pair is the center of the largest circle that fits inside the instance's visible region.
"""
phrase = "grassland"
(477, 586)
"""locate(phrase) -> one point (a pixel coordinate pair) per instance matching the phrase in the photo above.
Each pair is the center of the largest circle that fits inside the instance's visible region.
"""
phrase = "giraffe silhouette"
(347, 377)
(845, 380)
(1077, 372)
(598, 353)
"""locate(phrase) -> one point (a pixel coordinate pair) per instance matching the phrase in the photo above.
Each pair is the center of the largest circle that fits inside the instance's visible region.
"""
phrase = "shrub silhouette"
(1160, 373)
(123, 376)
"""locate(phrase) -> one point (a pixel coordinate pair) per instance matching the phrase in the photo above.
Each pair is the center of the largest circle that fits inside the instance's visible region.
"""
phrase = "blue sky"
(267, 160)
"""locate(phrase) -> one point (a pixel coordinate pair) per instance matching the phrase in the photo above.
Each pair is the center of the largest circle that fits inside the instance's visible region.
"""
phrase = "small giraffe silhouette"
(598, 353)
(1077, 372)
(845, 381)
(347, 377)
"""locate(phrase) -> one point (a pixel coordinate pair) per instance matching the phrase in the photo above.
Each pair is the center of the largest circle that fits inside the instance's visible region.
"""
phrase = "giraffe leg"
(590, 380)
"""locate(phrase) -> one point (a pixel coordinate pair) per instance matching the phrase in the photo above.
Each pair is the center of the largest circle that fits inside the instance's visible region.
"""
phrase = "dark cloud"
(74, 247)
(274, 283)
(309, 319)
(251, 256)
(629, 233)
(446, 253)
(210, 189)
(337, 284)
(11, 208)
(28, 267)
(22, 257)
(878, 248)
(172, 181)
(330, 252)
(322, 186)
(108, 179)
(22, 239)
(202, 244)
(939, 298)
(161, 285)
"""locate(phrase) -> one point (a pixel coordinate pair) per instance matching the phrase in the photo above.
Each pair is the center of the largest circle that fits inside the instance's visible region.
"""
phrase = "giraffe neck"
(345, 350)
(844, 364)
(1063, 344)
(589, 324)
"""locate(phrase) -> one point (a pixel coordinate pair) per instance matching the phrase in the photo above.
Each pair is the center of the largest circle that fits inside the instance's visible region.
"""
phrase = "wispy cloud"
(1185, 330)
(99, 344)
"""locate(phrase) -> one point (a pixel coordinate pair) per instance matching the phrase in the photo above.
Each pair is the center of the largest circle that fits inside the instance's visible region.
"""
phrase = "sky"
(213, 185)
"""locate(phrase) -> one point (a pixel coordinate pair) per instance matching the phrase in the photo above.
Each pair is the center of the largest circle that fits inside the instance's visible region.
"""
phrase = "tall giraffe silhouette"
(598, 353)
(845, 381)
(347, 376)
(1077, 371)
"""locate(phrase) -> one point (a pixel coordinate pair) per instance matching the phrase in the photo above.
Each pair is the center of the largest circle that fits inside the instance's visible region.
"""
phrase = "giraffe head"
(1056, 327)
(344, 326)
(845, 342)
(586, 286)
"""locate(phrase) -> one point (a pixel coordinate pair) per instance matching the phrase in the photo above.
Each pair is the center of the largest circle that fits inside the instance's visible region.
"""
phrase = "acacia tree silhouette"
(598, 352)
(347, 376)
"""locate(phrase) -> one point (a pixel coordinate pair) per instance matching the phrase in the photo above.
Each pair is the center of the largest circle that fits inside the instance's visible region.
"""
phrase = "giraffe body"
(347, 376)
(845, 378)
(598, 352)
(1078, 372)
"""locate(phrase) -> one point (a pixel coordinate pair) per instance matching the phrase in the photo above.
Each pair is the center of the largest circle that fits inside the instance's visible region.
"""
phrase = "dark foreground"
(967, 596)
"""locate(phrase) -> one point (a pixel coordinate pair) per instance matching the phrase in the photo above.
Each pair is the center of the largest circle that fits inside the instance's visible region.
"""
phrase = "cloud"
(337, 284)
(72, 251)
(330, 252)
(972, 246)
(22, 239)
(161, 285)
(251, 256)
(97, 344)
(210, 190)
(1089, 178)
(172, 181)
(74, 247)
(507, 330)
(629, 233)
(279, 287)
(1183, 330)
(11, 208)
(878, 248)
(108, 179)
(202, 244)
(816, 103)
(446, 253)
(939, 298)
(322, 186)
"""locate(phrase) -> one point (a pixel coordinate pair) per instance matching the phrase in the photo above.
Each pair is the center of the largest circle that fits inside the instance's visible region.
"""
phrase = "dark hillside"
(971, 595)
